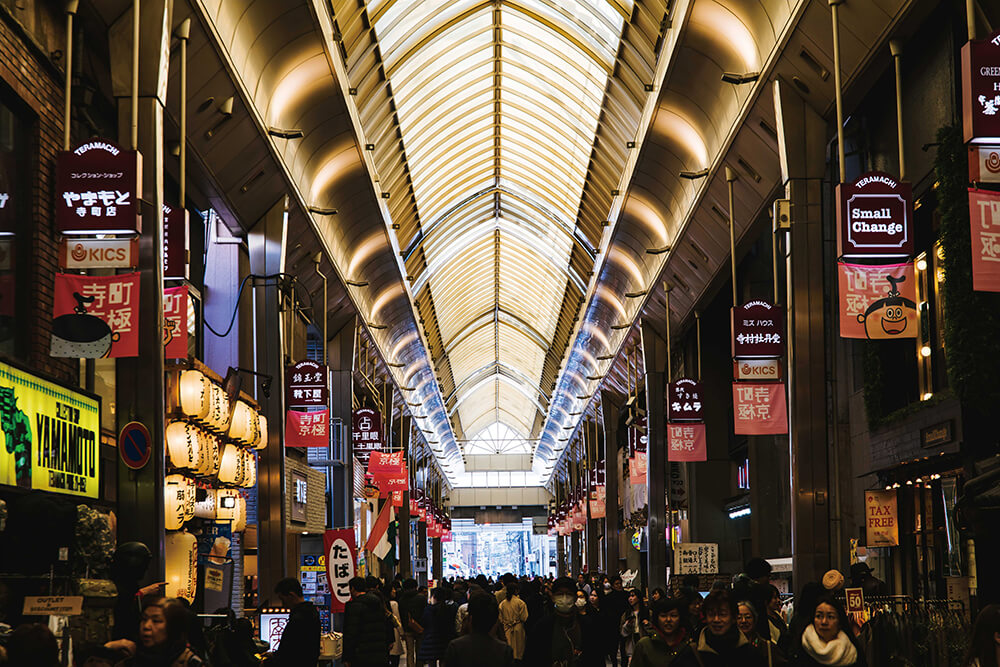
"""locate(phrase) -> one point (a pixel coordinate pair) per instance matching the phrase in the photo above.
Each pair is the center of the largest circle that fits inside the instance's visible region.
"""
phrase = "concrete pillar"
(802, 137)
(438, 559)
(611, 408)
(140, 380)
(422, 551)
(561, 556)
(267, 240)
(654, 355)
(593, 530)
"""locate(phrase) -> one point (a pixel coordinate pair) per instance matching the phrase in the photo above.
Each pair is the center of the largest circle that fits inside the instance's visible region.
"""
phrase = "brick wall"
(315, 496)
(38, 84)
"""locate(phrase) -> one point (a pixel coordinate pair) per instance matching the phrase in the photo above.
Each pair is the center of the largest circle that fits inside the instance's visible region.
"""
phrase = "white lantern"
(214, 455)
(243, 427)
(181, 552)
(195, 394)
(240, 520)
(261, 442)
(175, 495)
(204, 455)
(206, 509)
(250, 476)
(183, 446)
(226, 504)
(231, 466)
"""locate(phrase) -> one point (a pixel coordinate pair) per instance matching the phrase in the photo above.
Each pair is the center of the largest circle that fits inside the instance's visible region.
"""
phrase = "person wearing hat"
(668, 642)
(861, 577)
(556, 639)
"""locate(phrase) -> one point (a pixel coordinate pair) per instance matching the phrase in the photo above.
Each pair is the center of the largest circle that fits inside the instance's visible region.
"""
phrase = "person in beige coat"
(513, 616)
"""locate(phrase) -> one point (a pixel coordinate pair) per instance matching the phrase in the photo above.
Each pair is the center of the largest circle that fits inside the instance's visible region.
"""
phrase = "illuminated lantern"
(240, 427)
(204, 453)
(240, 521)
(250, 474)
(219, 412)
(214, 455)
(231, 506)
(181, 551)
(261, 442)
(195, 394)
(231, 466)
(175, 495)
(205, 509)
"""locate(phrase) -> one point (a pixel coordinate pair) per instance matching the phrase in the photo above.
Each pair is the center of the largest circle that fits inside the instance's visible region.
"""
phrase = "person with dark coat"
(300, 639)
(862, 577)
(411, 610)
(668, 642)
(439, 627)
(368, 631)
(479, 648)
(828, 640)
(720, 643)
(557, 638)
(616, 604)
(595, 646)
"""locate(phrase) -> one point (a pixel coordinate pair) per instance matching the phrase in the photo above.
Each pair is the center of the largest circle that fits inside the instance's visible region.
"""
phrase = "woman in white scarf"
(825, 641)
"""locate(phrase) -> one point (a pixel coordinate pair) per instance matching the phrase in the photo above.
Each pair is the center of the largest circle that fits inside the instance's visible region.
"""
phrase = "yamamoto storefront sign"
(50, 435)
(875, 218)
(98, 189)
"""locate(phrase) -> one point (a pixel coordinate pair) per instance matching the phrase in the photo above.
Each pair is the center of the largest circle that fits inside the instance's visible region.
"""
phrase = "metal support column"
(404, 561)
(802, 137)
(593, 529)
(438, 559)
(267, 240)
(611, 408)
(654, 357)
(422, 552)
(340, 354)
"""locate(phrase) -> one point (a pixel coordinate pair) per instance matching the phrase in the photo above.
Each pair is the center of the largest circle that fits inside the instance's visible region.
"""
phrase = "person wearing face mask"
(556, 640)
(720, 643)
(668, 643)
(513, 616)
(825, 641)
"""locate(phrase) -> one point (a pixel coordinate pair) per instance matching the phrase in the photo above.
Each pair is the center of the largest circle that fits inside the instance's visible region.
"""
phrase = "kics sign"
(85, 253)
(981, 90)
(875, 217)
(758, 369)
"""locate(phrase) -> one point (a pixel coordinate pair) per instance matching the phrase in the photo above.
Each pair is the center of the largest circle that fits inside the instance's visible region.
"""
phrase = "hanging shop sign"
(366, 433)
(386, 462)
(875, 217)
(597, 506)
(984, 213)
(687, 442)
(877, 302)
(984, 164)
(855, 600)
(7, 219)
(759, 408)
(981, 89)
(307, 429)
(881, 519)
(389, 482)
(341, 554)
(758, 330)
(696, 558)
(684, 400)
(175, 322)
(637, 469)
(757, 369)
(98, 188)
(53, 605)
(51, 435)
(95, 316)
(306, 385)
(637, 437)
(176, 243)
(397, 498)
(89, 253)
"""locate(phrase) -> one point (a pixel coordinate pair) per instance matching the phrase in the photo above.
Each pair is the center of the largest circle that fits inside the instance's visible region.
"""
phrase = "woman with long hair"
(984, 649)
(633, 621)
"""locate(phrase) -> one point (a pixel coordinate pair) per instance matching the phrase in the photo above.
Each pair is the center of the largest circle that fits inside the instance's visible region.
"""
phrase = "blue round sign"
(134, 445)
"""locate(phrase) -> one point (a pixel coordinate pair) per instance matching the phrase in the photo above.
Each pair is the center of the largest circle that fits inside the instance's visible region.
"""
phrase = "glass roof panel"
(497, 438)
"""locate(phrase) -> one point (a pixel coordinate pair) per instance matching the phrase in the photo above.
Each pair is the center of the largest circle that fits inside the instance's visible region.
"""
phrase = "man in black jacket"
(368, 630)
(299, 645)
(478, 648)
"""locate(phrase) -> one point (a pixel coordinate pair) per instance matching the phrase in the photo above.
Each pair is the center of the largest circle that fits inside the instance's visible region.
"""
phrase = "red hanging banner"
(175, 320)
(984, 213)
(687, 442)
(637, 468)
(386, 462)
(389, 482)
(759, 409)
(597, 507)
(877, 302)
(341, 555)
(397, 498)
(307, 429)
(95, 316)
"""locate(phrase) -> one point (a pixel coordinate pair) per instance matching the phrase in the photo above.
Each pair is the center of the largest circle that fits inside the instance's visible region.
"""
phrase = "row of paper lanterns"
(204, 402)
(190, 448)
(181, 504)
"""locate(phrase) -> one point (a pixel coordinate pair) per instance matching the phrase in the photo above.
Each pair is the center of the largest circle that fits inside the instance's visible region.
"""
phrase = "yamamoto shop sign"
(981, 89)
(50, 435)
(98, 187)
(875, 218)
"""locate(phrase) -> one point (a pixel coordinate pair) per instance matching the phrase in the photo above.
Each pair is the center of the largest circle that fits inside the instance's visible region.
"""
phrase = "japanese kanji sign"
(696, 558)
(637, 468)
(684, 400)
(98, 187)
(175, 322)
(877, 302)
(176, 242)
(306, 385)
(759, 409)
(386, 462)
(95, 316)
(341, 555)
(307, 429)
(637, 437)
(391, 481)
(984, 212)
(881, 519)
(758, 330)
(984, 164)
(981, 88)
(366, 433)
(687, 442)
(597, 508)
(875, 217)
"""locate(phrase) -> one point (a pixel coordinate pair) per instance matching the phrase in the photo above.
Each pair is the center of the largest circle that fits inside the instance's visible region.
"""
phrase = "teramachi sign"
(98, 186)
(981, 90)
(875, 217)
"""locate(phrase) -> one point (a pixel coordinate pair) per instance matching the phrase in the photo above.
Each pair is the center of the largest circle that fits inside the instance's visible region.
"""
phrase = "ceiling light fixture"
(357, 283)
(595, 377)
(619, 327)
(635, 295)
(292, 133)
(322, 211)
(396, 365)
(605, 357)
(692, 175)
(377, 327)
(737, 78)
(657, 251)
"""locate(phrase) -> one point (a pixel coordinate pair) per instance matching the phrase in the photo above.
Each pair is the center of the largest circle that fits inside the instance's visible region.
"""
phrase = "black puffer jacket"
(368, 632)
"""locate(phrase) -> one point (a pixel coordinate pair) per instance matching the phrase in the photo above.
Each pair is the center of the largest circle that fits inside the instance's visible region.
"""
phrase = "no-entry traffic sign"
(134, 445)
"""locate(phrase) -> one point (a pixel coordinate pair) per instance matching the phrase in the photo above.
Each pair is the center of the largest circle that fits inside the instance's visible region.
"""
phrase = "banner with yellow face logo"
(50, 435)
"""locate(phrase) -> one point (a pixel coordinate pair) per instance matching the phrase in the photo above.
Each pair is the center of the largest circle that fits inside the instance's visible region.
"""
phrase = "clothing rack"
(903, 630)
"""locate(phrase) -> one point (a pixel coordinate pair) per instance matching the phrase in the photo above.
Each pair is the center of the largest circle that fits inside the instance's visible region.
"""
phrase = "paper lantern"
(231, 506)
(204, 453)
(214, 455)
(218, 416)
(261, 442)
(175, 495)
(206, 508)
(244, 426)
(231, 465)
(181, 552)
(250, 473)
(183, 445)
(195, 394)
(240, 521)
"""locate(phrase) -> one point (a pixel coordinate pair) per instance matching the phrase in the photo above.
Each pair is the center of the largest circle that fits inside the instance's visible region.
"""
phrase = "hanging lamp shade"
(175, 501)
(261, 441)
(183, 445)
(206, 507)
(240, 520)
(214, 455)
(181, 552)
(250, 470)
(230, 467)
(204, 453)
(243, 427)
(195, 394)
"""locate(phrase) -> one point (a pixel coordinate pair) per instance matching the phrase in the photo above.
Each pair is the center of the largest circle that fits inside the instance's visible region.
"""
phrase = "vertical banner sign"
(984, 164)
(981, 89)
(341, 555)
(881, 519)
(759, 409)
(176, 243)
(875, 217)
(306, 385)
(877, 302)
(637, 469)
(98, 187)
(366, 433)
(984, 212)
(95, 316)
(50, 435)
(687, 442)
(307, 429)
(758, 329)
(386, 462)
(684, 400)
(597, 508)
(175, 321)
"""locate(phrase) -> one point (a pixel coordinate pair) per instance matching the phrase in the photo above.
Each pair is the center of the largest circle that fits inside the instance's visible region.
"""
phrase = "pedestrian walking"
(513, 616)
(827, 640)
(368, 628)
